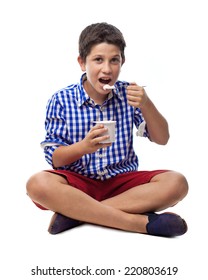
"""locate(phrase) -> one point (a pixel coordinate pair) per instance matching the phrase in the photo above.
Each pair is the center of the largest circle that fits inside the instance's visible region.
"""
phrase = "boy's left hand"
(136, 95)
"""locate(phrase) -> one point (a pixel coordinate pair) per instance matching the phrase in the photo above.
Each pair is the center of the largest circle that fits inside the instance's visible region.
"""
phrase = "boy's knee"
(184, 184)
(36, 186)
(180, 185)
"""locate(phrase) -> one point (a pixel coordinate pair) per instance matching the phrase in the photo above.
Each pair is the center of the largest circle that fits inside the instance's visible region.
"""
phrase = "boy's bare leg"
(53, 192)
(163, 191)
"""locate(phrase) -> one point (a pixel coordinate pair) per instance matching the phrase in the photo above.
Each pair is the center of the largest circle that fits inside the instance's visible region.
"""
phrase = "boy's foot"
(61, 223)
(166, 224)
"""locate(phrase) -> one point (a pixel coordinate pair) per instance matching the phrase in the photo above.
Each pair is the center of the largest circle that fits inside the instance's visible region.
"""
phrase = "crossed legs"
(124, 211)
(163, 191)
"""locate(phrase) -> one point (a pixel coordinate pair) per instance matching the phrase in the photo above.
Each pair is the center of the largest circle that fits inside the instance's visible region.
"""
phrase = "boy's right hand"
(91, 143)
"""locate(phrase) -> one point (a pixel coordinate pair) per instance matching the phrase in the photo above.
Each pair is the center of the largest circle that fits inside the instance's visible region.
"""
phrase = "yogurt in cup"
(111, 126)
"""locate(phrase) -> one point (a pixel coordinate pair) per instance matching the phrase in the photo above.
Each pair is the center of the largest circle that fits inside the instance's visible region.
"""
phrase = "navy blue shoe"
(165, 224)
(60, 223)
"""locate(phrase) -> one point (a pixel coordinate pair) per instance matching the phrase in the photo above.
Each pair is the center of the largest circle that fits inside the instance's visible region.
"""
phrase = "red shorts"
(101, 190)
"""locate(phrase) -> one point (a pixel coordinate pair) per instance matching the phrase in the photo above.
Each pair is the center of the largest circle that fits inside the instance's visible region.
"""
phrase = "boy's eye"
(115, 60)
(98, 59)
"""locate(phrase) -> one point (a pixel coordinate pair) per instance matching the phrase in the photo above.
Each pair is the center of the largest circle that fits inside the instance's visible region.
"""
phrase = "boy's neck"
(97, 98)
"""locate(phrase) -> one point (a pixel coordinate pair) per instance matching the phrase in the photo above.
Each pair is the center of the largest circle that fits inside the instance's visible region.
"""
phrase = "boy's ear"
(81, 63)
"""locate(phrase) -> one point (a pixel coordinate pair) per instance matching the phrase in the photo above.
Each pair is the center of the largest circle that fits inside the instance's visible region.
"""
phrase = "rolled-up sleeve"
(140, 124)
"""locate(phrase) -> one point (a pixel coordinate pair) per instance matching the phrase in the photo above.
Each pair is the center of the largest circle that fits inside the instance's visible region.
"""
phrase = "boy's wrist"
(145, 103)
(81, 148)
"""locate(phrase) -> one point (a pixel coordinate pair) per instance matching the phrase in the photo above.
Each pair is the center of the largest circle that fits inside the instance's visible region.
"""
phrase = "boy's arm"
(65, 155)
(156, 124)
(59, 151)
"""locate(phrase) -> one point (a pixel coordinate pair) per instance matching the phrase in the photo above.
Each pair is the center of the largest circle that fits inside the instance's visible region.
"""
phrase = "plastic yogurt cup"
(111, 126)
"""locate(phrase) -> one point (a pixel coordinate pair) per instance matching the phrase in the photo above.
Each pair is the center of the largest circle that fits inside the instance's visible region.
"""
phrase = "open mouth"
(104, 81)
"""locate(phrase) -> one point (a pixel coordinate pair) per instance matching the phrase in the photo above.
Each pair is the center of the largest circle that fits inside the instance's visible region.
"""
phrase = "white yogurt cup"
(111, 126)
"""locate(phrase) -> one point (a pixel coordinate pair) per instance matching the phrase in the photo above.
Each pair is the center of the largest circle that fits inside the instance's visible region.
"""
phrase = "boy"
(96, 182)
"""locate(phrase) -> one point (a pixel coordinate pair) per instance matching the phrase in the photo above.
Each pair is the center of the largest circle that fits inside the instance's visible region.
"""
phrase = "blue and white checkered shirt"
(70, 115)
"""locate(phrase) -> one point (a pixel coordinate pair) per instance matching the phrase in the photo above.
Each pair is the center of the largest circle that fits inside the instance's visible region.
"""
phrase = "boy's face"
(102, 66)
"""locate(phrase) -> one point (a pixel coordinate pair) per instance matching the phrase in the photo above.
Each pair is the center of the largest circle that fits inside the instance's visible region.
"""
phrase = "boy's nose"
(106, 67)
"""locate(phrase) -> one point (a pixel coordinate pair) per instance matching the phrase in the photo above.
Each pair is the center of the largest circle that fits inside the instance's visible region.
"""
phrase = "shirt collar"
(83, 97)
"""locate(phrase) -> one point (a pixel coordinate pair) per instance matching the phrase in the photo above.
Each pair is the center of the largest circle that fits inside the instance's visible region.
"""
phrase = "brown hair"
(100, 33)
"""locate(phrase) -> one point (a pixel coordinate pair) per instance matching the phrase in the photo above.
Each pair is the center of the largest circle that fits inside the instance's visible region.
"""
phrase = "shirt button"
(102, 173)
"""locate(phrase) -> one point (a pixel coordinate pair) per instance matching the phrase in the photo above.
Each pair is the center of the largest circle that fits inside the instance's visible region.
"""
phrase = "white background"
(167, 52)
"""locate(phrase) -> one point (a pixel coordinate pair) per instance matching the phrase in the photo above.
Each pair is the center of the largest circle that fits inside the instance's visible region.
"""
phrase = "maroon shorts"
(101, 190)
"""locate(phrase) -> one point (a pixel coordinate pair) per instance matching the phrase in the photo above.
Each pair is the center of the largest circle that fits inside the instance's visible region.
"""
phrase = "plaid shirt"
(71, 114)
